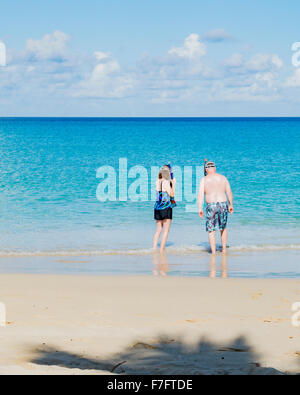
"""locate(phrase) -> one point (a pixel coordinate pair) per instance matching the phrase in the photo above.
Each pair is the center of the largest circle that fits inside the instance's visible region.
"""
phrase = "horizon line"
(149, 117)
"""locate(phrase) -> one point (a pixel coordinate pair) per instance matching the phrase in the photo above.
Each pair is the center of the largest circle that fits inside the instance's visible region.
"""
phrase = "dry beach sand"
(140, 325)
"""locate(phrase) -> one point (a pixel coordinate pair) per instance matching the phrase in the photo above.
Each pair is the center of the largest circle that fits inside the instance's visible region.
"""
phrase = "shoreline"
(254, 264)
(143, 276)
(87, 324)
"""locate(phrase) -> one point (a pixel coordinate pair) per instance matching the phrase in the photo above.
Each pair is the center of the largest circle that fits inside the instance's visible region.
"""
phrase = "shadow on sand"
(164, 356)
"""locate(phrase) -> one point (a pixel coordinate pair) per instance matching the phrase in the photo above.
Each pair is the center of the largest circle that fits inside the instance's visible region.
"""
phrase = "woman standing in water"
(165, 190)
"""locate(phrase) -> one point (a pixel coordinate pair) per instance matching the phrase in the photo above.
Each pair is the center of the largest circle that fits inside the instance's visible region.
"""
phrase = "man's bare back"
(216, 190)
(215, 186)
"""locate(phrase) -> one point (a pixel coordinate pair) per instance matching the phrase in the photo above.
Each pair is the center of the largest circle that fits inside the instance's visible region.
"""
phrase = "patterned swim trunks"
(216, 214)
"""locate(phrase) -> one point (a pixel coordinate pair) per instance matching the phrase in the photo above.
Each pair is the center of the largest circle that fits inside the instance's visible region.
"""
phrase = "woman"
(165, 189)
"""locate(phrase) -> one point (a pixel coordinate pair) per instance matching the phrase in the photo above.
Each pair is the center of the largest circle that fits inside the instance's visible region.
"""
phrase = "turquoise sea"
(49, 208)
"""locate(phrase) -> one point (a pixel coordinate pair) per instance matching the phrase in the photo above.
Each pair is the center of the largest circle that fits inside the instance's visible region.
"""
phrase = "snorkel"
(171, 171)
(205, 172)
(174, 204)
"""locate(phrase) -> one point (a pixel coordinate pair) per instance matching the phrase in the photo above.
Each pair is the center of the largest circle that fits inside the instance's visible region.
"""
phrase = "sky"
(150, 58)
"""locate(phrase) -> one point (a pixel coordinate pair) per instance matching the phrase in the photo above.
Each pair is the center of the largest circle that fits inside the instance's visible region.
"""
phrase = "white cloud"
(260, 62)
(294, 80)
(256, 63)
(184, 74)
(50, 47)
(172, 76)
(192, 48)
(101, 55)
(254, 91)
(104, 68)
(105, 80)
(268, 79)
(236, 60)
(253, 79)
(276, 61)
(217, 35)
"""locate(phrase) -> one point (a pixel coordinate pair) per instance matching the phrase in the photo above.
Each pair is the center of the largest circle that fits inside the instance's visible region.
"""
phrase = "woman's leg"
(157, 233)
(165, 229)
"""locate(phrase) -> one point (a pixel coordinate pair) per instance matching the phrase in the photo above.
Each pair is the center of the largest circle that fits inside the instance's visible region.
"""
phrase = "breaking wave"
(176, 250)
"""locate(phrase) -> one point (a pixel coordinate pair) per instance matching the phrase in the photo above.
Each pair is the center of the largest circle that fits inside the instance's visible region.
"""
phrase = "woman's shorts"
(160, 215)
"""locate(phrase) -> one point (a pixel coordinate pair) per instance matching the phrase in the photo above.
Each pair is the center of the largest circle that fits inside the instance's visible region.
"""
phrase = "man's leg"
(211, 223)
(212, 241)
(224, 240)
(213, 269)
(224, 266)
(223, 216)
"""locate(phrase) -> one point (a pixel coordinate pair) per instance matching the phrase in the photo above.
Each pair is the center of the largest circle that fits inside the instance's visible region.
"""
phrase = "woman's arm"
(173, 183)
(157, 186)
(166, 187)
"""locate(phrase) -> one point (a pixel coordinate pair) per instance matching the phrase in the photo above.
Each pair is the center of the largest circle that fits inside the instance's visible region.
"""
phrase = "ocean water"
(48, 184)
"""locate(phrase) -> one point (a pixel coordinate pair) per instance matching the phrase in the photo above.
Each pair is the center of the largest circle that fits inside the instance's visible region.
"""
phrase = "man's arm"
(229, 196)
(201, 198)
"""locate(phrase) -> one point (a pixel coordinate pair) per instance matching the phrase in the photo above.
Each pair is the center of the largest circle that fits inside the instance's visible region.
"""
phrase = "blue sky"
(149, 58)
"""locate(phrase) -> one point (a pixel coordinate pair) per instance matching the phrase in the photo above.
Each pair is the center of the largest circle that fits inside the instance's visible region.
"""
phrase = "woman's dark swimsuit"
(160, 215)
(163, 206)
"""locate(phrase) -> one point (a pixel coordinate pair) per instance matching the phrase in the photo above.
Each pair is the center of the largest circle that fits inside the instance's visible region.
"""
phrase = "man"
(216, 189)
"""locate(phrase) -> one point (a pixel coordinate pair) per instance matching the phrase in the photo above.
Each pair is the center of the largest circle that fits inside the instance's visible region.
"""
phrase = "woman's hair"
(164, 172)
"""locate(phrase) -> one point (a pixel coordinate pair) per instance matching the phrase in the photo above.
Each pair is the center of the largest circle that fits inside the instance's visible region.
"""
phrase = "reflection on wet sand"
(217, 263)
(161, 266)
(213, 266)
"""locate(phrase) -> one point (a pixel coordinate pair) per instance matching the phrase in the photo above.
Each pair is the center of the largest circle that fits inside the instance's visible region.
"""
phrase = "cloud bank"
(185, 73)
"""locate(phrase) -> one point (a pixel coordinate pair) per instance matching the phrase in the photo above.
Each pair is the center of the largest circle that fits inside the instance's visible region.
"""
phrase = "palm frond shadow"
(164, 356)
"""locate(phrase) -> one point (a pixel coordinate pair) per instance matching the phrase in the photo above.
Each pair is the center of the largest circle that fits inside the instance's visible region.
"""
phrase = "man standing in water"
(216, 190)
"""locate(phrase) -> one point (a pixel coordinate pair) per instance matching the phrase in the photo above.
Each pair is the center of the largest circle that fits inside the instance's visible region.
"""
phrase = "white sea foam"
(174, 250)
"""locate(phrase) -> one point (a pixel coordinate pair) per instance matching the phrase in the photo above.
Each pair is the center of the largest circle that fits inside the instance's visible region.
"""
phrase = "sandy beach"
(148, 325)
